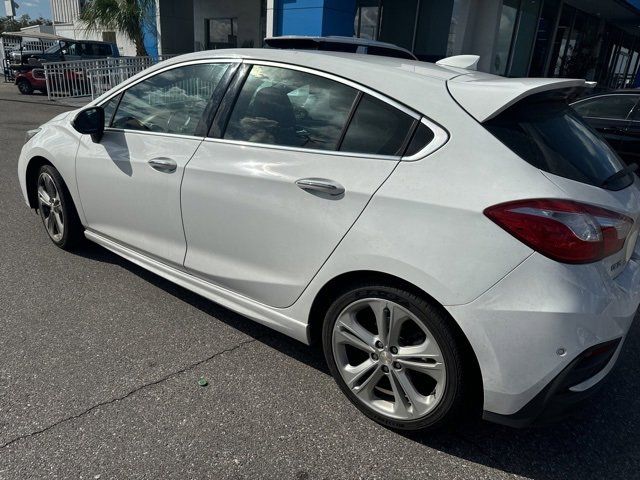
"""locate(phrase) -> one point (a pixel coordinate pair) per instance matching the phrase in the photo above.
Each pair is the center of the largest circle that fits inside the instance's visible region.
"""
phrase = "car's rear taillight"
(564, 230)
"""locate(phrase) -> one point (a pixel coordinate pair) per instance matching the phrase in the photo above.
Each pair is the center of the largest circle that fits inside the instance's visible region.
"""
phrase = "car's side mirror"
(90, 121)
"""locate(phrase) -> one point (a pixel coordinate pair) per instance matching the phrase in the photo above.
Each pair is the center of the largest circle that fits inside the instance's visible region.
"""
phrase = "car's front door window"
(290, 108)
(170, 102)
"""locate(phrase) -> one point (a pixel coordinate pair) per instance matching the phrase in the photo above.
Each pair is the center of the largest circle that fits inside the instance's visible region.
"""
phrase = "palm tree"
(126, 16)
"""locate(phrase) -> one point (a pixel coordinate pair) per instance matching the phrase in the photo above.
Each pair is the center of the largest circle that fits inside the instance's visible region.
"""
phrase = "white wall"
(77, 31)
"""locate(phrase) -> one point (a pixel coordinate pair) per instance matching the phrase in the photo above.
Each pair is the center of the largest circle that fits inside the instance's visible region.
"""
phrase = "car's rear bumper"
(532, 328)
(580, 380)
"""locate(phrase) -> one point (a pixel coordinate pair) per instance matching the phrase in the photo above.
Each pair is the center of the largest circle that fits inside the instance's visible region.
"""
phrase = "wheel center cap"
(385, 357)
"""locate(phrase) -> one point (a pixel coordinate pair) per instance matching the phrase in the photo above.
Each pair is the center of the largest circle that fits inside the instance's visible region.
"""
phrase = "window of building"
(221, 33)
(170, 102)
(367, 20)
(290, 108)
(377, 128)
(615, 107)
(109, 37)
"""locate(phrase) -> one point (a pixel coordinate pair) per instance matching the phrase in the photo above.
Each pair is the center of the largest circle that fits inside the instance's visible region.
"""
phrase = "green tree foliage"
(126, 16)
(10, 24)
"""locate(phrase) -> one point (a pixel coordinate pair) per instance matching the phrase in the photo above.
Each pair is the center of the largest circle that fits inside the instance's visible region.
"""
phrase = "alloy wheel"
(50, 207)
(389, 359)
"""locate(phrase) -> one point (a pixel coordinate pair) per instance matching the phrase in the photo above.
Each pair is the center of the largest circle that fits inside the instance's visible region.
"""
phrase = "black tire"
(25, 87)
(73, 231)
(460, 401)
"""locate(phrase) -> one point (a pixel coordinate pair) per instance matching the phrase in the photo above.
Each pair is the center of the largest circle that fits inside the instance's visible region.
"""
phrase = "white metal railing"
(83, 78)
(105, 78)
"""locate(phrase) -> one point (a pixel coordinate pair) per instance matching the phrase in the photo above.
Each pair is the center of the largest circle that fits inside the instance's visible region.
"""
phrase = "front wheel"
(25, 87)
(56, 208)
(397, 358)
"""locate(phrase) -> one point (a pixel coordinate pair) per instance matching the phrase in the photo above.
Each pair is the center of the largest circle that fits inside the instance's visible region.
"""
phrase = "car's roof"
(329, 43)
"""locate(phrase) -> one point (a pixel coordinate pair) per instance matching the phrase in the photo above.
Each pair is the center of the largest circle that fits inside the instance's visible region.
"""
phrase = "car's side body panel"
(124, 198)
(252, 230)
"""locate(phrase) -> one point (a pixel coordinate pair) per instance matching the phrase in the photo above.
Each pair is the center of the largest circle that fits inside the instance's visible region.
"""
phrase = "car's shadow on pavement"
(601, 440)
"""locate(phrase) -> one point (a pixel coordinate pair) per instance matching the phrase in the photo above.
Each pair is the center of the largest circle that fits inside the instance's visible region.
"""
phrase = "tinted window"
(170, 102)
(608, 106)
(421, 138)
(109, 107)
(376, 127)
(550, 136)
(635, 115)
(290, 108)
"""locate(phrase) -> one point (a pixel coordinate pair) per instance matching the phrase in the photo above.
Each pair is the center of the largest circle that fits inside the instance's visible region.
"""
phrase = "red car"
(30, 80)
(73, 81)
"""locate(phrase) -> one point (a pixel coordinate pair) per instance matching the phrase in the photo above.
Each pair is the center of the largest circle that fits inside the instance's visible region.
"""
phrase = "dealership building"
(594, 39)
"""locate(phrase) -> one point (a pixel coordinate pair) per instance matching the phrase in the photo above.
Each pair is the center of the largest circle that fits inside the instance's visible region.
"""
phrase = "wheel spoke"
(351, 332)
(424, 358)
(419, 403)
(402, 406)
(49, 223)
(380, 311)
(44, 197)
(397, 318)
(50, 187)
(365, 389)
(355, 376)
(58, 221)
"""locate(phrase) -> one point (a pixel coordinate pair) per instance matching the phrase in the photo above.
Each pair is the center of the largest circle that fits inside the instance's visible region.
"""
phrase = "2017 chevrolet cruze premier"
(456, 241)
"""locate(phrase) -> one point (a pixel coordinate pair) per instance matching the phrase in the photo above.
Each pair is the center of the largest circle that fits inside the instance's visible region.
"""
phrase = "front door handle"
(163, 164)
(321, 185)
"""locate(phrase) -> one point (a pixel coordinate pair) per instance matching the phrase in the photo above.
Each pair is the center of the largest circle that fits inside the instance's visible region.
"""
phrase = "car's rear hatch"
(533, 119)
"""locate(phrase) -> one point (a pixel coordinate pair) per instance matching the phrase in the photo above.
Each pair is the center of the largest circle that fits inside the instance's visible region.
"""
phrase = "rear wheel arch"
(340, 284)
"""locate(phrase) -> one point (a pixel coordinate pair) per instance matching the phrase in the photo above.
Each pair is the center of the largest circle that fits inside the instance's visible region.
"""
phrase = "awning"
(38, 35)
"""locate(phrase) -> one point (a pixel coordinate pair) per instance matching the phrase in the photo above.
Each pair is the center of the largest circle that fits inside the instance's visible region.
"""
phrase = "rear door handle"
(321, 185)
(163, 164)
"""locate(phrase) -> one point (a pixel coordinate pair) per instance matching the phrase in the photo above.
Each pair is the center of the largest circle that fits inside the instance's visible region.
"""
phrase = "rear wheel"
(25, 87)
(56, 208)
(397, 358)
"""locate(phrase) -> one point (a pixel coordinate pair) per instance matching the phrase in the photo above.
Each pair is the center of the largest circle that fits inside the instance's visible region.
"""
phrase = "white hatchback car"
(456, 241)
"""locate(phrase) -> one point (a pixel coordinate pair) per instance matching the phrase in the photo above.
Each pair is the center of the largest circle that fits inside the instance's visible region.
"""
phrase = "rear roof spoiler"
(484, 96)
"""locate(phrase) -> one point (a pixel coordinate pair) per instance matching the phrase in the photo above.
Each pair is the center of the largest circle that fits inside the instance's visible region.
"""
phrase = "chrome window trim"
(244, 143)
(338, 79)
(161, 134)
(440, 137)
(117, 90)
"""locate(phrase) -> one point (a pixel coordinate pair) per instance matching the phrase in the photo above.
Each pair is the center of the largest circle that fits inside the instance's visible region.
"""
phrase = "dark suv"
(66, 50)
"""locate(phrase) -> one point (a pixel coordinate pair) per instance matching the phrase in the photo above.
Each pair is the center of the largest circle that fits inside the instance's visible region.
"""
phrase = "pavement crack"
(128, 394)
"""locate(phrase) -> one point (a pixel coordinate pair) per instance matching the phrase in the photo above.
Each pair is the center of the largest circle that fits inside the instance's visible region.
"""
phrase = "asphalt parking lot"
(99, 369)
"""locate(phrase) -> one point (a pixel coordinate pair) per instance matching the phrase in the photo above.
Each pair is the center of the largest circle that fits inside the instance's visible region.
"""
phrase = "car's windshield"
(551, 136)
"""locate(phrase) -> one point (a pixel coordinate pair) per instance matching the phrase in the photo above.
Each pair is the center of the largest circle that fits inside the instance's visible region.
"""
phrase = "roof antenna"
(468, 62)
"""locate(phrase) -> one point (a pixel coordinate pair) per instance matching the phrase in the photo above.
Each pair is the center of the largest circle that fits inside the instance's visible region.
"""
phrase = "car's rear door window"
(552, 137)
(616, 107)
(280, 106)
(377, 128)
(173, 101)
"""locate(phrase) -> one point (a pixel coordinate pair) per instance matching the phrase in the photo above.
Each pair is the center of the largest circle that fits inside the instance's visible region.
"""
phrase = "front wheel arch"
(31, 177)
